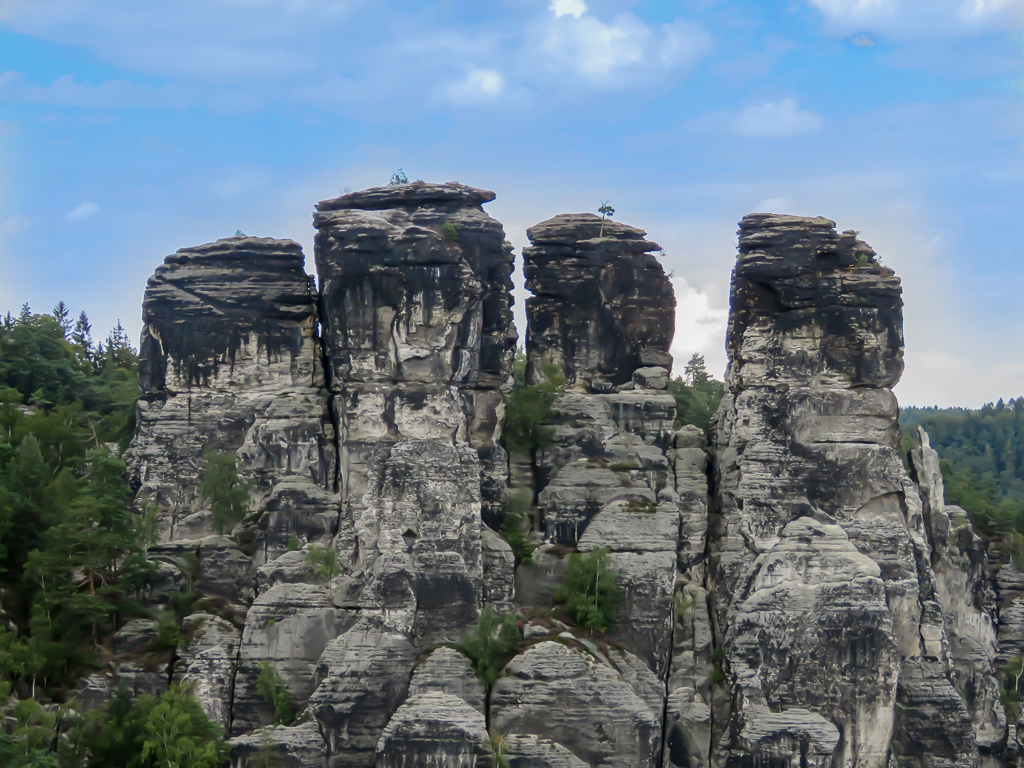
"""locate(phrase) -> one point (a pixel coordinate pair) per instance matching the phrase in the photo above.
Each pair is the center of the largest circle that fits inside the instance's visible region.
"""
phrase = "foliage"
(133, 732)
(697, 395)
(272, 690)
(1009, 689)
(590, 592)
(226, 492)
(294, 545)
(499, 756)
(982, 463)
(515, 529)
(451, 234)
(325, 562)
(528, 407)
(398, 178)
(606, 211)
(491, 644)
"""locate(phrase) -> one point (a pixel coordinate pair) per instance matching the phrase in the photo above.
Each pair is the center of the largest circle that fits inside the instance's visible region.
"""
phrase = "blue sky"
(131, 128)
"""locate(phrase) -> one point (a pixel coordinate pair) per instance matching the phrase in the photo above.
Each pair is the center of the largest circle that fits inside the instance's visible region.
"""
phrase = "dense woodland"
(73, 567)
(982, 461)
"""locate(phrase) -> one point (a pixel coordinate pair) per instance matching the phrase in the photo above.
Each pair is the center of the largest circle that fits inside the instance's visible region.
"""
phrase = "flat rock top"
(405, 195)
(781, 220)
(234, 246)
(569, 228)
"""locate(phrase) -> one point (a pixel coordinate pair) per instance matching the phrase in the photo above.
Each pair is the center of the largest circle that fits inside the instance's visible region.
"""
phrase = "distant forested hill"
(982, 456)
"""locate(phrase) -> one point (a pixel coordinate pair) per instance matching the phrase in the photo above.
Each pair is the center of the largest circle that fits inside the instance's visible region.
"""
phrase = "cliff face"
(790, 596)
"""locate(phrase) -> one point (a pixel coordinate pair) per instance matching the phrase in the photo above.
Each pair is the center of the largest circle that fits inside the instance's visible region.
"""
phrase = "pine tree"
(81, 335)
(62, 315)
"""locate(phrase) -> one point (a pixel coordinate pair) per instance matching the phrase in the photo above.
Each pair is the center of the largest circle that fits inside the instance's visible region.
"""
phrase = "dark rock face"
(203, 304)
(602, 306)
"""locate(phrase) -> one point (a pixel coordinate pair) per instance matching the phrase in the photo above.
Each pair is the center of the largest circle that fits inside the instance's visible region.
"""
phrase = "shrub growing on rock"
(227, 493)
(528, 407)
(272, 690)
(590, 594)
(491, 643)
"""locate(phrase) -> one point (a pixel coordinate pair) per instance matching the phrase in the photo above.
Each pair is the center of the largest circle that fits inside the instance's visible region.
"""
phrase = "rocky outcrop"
(573, 699)
(230, 363)
(601, 308)
(827, 609)
(790, 596)
(601, 312)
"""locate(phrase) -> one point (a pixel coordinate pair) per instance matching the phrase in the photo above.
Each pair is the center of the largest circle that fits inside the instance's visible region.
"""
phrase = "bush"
(527, 408)
(325, 562)
(514, 529)
(491, 644)
(451, 234)
(227, 493)
(590, 593)
(272, 690)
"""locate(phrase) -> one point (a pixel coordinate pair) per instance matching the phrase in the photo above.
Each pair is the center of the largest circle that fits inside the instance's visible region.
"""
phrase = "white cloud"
(700, 329)
(909, 19)
(574, 8)
(587, 46)
(775, 120)
(244, 38)
(82, 211)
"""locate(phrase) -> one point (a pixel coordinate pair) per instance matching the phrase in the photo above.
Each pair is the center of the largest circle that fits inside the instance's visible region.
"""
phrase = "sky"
(131, 128)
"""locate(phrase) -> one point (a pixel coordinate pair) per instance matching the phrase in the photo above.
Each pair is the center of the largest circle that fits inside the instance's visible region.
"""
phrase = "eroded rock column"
(818, 578)
(230, 363)
(415, 309)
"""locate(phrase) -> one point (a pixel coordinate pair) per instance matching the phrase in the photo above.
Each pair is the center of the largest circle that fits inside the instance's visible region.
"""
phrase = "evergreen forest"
(73, 565)
(982, 454)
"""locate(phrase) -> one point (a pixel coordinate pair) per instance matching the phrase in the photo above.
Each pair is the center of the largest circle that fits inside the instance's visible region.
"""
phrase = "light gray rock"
(572, 699)
(815, 554)
(448, 671)
(435, 729)
(529, 751)
(651, 378)
(289, 626)
(363, 676)
(208, 661)
(229, 362)
(298, 746)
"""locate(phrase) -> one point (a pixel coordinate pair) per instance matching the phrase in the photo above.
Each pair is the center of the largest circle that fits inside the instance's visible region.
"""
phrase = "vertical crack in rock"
(798, 600)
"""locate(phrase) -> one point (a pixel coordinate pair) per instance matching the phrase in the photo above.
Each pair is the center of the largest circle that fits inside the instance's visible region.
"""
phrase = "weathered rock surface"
(602, 307)
(435, 728)
(230, 362)
(569, 697)
(823, 591)
(790, 598)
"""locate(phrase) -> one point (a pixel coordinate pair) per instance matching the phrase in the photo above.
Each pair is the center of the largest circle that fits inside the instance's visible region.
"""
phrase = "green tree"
(527, 408)
(491, 644)
(226, 492)
(271, 688)
(324, 561)
(590, 592)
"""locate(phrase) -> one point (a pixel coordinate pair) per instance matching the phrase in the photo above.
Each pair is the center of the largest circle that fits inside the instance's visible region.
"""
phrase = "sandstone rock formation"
(792, 596)
(833, 629)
